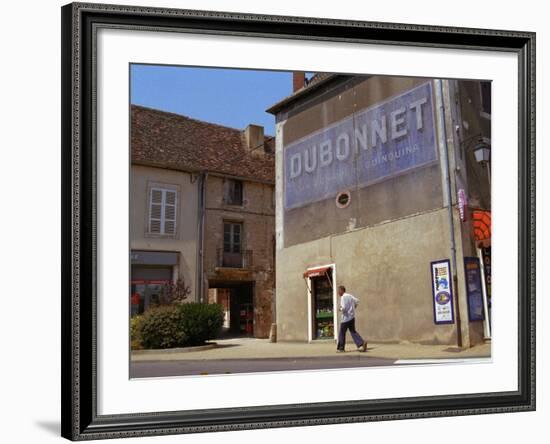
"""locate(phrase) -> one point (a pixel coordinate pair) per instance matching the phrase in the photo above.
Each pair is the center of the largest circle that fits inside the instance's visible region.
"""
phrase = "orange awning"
(316, 272)
(481, 225)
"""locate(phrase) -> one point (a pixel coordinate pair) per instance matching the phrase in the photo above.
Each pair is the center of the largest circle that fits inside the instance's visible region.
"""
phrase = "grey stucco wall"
(383, 242)
(416, 190)
(387, 266)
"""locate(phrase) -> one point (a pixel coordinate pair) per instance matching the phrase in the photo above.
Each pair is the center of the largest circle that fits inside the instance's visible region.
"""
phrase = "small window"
(343, 199)
(485, 88)
(234, 192)
(162, 211)
(232, 234)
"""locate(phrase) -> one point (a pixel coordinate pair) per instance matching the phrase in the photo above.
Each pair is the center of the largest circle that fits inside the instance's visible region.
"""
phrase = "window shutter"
(155, 211)
(170, 212)
(162, 211)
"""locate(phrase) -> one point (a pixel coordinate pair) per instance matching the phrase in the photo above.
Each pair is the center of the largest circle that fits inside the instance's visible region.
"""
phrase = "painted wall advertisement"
(473, 289)
(442, 292)
(369, 146)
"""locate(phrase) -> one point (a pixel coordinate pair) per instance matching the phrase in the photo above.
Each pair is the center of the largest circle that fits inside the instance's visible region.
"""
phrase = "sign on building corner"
(462, 204)
(442, 292)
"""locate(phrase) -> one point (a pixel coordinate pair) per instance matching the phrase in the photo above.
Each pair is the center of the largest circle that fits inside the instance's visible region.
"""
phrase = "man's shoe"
(363, 348)
(338, 350)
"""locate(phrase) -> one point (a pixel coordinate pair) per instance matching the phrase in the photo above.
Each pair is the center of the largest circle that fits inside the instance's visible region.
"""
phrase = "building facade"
(377, 188)
(163, 233)
(202, 212)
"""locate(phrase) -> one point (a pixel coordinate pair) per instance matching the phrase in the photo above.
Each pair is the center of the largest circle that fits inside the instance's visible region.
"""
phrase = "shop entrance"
(146, 287)
(322, 320)
(238, 302)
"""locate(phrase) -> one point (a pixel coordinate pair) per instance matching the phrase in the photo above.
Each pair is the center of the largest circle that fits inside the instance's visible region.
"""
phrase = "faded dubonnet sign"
(369, 146)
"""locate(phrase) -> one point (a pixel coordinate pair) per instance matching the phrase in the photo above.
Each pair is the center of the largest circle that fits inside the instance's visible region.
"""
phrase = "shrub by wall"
(178, 325)
(135, 336)
(161, 327)
(201, 322)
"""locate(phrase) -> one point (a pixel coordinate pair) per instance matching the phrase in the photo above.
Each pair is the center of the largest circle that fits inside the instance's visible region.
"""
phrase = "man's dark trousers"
(344, 326)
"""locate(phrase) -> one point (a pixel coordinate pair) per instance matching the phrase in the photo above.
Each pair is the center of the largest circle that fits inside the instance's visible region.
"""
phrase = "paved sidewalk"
(251, 348)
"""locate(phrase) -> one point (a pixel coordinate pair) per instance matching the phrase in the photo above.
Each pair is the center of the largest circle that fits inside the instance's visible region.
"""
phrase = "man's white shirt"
(348, 302)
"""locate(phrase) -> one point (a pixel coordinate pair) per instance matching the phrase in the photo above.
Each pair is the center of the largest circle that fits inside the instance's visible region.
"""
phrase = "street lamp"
(482, 153)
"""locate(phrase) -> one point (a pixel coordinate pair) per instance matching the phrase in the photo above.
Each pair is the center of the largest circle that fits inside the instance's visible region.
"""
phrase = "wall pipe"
(202, 210)
(447, 177)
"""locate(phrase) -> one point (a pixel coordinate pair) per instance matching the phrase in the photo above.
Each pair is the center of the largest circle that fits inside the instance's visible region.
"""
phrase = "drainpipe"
(447, 177)
(202, 206)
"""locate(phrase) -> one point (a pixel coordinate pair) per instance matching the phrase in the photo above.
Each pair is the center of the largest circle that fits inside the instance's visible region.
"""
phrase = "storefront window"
(145, 295)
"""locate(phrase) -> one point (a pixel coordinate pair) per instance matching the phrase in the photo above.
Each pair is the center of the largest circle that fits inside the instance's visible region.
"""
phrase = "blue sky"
(230, 97)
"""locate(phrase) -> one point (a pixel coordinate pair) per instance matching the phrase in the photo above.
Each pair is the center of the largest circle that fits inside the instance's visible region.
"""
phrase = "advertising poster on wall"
(388, 139)
(473, 288)
(442, 292)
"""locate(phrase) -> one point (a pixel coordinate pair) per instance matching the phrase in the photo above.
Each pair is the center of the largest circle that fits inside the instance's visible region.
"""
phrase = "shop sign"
(473, 289)
(486, 253)
(369, 146)
(153, 258)
(462, 204)
(442, 292)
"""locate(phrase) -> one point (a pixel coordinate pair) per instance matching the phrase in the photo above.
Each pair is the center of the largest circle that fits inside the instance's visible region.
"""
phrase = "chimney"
(254, 139)
(298, 80)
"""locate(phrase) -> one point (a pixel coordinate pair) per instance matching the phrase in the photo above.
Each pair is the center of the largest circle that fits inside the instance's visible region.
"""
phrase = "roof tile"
(173, 141)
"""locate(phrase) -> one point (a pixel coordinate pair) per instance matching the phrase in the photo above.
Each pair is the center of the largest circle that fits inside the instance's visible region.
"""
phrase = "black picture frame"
(80, 420)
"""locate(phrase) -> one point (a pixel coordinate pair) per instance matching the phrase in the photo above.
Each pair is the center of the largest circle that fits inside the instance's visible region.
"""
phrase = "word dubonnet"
(365, 136)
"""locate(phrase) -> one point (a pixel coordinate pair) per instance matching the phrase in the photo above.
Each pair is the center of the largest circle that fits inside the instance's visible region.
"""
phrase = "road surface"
(148, 369)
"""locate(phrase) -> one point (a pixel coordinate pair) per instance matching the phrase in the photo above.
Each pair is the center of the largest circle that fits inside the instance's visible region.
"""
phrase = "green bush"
(135, 336)
(201, 322)
(178, 325)
(161, 327)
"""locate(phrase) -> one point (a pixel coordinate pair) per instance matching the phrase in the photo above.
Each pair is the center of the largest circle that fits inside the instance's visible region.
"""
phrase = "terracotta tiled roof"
(318, 77)
(313, 83)
(173, 141)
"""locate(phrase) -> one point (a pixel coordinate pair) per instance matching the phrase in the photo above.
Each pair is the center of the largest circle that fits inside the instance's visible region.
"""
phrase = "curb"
(163, 351)
(358, 356)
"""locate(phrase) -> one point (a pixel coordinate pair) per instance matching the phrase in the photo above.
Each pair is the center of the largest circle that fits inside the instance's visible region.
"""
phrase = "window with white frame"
(162, 211)
(232, 234)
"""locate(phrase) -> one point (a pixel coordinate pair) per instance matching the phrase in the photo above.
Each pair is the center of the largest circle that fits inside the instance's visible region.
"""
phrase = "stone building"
(202, 211)
(378, 188)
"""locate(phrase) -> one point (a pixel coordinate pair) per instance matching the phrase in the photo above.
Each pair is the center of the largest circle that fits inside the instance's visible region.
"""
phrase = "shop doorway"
(322, 312)
(146, 287)
(238, 302)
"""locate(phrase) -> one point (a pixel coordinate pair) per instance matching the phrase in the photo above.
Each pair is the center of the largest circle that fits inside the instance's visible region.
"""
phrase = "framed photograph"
(275, 221)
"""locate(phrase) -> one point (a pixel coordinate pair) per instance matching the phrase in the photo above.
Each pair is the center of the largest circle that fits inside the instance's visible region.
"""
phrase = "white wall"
(30, 223)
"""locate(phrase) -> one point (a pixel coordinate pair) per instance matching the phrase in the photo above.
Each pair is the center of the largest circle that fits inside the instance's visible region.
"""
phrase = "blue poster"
(442, 292)
(473, 289)
(369, 146)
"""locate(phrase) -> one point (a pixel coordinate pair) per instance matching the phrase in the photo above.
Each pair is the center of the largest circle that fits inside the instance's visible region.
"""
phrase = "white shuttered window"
(162, 211)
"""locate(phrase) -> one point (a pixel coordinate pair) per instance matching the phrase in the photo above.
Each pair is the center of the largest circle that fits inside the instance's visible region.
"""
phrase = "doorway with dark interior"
(237, 299)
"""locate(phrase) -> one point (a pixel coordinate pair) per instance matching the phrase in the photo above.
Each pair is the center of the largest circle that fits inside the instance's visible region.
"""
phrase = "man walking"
(348, 303)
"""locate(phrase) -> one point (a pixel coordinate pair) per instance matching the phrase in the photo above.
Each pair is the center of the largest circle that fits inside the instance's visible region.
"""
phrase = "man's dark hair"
(341, 287)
